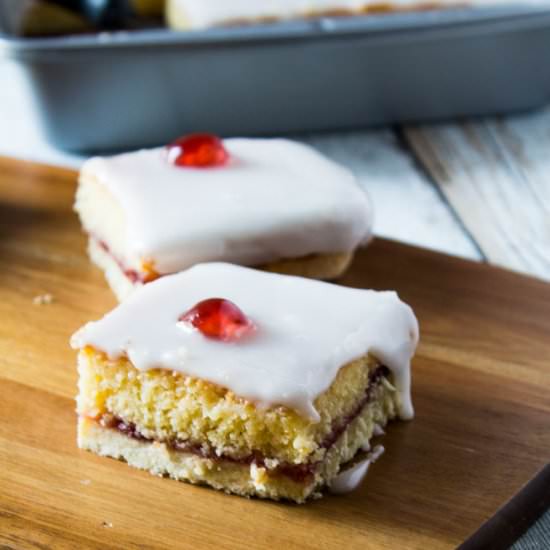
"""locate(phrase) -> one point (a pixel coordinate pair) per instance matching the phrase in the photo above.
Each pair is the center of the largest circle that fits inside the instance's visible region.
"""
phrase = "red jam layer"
(299, 473)
(338, 428)
(132, 275)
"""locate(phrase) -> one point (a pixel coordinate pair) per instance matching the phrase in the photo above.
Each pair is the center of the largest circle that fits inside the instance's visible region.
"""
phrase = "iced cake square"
(269, 203)
(199, 14)
(251, 382)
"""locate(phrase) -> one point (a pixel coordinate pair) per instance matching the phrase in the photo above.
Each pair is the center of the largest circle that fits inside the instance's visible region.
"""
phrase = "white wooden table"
(479, 189)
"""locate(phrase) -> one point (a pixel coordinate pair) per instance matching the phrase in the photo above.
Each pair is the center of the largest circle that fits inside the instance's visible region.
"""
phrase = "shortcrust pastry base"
(241, 479)
(315, 266)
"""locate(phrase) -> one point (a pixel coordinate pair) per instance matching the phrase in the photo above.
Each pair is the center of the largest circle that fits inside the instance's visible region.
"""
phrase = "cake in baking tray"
(201, 14)
(251, 382)
(270, 203)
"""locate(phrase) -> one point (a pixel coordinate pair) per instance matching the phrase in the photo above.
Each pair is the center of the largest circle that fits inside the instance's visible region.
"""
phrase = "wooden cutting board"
(481, 388)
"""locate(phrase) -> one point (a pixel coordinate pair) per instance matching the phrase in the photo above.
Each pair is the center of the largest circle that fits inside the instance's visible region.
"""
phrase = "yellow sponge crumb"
(168, 406)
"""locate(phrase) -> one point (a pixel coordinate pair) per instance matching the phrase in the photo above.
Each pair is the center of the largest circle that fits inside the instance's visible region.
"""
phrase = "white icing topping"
(378, 430)
(377, 452)
(276, 199)
(198, 14)
(350, 479)
(306, 331)
(365, 446)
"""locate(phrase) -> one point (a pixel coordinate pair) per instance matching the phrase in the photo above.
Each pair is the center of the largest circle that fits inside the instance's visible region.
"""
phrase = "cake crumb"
(86, 481)
(42, 299)
(107, 525)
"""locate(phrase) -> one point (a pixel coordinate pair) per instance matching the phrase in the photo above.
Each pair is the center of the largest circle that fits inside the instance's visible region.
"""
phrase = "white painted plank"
(496, 175)
(408, 207)
(20, 135)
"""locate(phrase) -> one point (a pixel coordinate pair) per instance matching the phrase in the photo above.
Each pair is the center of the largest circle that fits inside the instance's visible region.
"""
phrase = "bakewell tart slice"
(251, 382)
(198, 14)
(269, 203)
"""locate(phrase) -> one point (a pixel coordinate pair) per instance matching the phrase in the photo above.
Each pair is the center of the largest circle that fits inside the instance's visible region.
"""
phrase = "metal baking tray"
(112, 91)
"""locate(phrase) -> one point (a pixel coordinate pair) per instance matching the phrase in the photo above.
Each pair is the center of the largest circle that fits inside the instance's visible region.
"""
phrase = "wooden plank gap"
(495, 174)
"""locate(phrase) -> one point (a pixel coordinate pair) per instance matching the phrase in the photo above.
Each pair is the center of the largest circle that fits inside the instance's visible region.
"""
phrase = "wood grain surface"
(481, 383)
(495, 175)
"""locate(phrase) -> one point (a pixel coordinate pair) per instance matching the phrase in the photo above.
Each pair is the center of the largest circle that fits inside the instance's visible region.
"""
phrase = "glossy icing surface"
(306, 331)
(350, 479)
(275, 199)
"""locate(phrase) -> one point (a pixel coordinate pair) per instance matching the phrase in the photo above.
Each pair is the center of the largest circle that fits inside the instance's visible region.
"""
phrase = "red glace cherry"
(219, 319)
(198, 151)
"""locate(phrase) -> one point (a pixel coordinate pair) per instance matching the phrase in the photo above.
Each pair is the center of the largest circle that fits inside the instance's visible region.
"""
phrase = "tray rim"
(462, 19)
